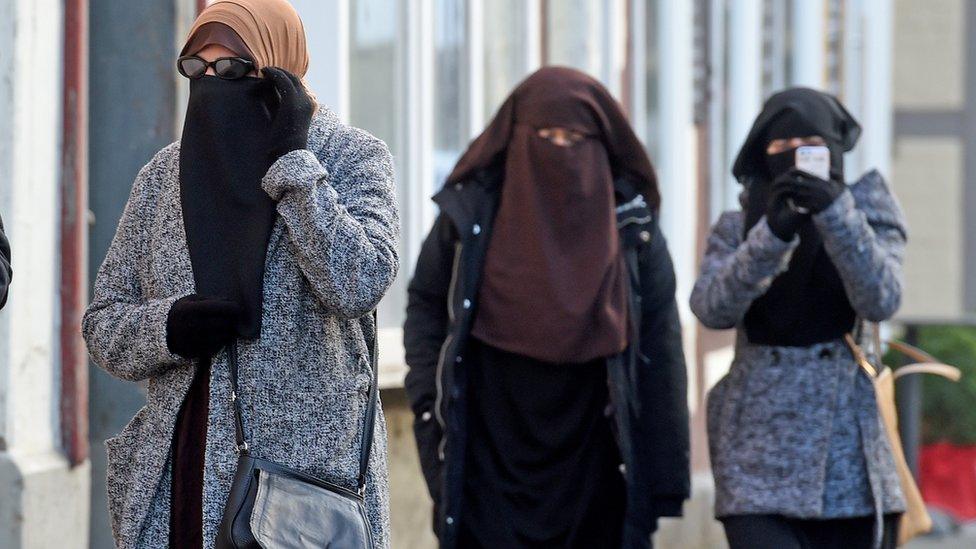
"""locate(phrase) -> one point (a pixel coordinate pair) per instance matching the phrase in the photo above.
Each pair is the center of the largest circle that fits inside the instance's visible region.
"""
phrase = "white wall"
(42, 503)
(29, 160)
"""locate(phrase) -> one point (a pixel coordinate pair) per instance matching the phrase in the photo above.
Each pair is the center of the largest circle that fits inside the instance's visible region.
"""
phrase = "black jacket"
(648, 382)
(6, 274)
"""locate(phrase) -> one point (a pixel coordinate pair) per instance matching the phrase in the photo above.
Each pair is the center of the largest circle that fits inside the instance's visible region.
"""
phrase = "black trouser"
(779, 532)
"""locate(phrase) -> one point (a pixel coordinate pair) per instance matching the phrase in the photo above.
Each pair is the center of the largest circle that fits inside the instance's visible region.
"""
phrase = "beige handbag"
(916, 519)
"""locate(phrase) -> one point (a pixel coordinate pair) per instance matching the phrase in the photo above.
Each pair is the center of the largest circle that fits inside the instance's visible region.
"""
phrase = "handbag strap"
(235, 401)
(366, 444)
(366, 447)
(860, 357)
(926, 363)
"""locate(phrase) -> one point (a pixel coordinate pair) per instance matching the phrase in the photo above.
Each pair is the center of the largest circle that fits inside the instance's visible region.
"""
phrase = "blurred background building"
(89, 92)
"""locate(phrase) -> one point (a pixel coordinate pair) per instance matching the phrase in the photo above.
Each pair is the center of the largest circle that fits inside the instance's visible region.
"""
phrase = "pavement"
(946, 534)
(946, 542)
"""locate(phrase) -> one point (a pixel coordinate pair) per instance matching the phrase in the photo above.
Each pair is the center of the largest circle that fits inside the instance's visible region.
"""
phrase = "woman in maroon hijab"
(542, 334)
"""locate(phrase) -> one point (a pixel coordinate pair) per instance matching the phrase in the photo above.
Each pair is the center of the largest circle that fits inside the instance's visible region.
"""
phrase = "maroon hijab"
(554, 285)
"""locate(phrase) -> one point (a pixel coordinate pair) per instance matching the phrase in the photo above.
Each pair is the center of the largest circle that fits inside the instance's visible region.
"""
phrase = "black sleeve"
(663, 383)
(427, 319)
(6, 274)
(424, 332)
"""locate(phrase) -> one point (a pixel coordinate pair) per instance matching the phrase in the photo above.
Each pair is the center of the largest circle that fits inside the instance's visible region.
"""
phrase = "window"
(508, 56)
(573, 34)
(450, 87)
(373, 86)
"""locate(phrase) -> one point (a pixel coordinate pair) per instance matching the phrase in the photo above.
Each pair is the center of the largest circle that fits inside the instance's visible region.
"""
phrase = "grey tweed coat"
(795, 430)
(332, 255)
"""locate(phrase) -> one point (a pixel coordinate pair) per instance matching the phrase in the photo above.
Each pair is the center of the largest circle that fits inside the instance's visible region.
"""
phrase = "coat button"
(645, 236)
(476, 229)
(425, 416)
(467, 303)
(449, 520)
(457, 359)
(457, 186)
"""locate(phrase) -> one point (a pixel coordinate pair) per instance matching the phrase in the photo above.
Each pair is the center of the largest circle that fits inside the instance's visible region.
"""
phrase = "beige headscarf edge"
(271, 29)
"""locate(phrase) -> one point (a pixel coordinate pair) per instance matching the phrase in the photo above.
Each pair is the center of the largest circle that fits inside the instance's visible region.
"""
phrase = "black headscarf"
(224, 154)
(808, 303)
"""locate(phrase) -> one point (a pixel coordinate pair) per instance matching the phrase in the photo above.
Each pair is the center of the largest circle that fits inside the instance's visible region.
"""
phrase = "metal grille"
(776, 46)
(834, 62)
(702, 68)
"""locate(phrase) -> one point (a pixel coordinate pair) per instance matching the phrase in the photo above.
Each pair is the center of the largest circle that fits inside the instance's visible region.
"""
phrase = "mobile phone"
(815, 160)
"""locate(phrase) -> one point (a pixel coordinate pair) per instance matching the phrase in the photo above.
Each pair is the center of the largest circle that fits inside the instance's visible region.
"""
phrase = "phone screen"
(815, 160)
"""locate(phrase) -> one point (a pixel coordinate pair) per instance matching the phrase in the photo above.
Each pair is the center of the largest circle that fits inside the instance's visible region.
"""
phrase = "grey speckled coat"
(331, 257)
(795, 430)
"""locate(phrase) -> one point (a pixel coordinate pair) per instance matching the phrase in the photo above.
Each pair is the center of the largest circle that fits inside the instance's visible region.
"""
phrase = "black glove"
(812, 193)
(199, 326)
(783, 219)
(292, 115)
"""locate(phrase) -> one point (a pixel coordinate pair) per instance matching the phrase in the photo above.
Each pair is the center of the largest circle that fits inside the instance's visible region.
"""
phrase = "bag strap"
(927, 364)
(860, 357)
(369, 426)
(366, 447)
(235, 401)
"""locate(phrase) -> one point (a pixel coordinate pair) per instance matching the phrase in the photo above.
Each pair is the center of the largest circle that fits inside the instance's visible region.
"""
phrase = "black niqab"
(228, 217)
(807, 304)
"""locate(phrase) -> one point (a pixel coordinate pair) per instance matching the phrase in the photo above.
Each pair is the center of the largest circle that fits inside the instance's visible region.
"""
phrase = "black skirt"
(542, 467)
(779, 532)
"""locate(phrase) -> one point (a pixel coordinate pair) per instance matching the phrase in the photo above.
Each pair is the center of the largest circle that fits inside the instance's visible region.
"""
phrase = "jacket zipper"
(634, 220)
(447, 344)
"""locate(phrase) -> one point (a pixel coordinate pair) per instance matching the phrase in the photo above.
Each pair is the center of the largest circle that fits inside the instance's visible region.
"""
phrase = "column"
(809, 46)
(876, 112)
(744, 80)
(35, 476)
(475, 67)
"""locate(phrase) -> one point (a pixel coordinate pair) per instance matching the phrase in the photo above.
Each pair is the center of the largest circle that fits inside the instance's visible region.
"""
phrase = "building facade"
(426, 76)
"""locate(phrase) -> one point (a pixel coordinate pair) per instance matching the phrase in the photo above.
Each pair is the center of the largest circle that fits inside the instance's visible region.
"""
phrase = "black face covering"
(228, 217)
(808, 303)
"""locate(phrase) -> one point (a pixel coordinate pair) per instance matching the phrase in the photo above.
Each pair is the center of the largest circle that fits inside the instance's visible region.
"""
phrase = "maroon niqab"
(554, 285)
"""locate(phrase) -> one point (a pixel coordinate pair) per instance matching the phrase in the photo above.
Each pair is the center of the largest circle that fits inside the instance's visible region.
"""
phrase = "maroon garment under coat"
(188, 450)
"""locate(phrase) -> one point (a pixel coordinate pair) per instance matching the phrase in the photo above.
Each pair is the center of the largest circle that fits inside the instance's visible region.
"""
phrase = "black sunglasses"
(228, 68)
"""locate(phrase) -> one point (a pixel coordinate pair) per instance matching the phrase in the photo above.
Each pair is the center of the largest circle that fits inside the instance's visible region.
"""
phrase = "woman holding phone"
(798, 450)
(268, 233)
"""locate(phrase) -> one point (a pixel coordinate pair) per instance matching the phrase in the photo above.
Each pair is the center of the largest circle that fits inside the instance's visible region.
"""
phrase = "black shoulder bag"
(271, 505)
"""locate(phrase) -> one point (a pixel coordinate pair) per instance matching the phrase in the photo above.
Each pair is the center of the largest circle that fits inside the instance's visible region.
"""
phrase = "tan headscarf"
(271, 30)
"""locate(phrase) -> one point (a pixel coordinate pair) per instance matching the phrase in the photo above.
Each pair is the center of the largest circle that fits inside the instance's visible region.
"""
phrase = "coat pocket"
(119, 468)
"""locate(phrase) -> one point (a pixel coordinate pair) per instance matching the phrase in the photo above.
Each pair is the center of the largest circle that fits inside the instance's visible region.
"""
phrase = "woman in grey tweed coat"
(331, 255)
(798, 452)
